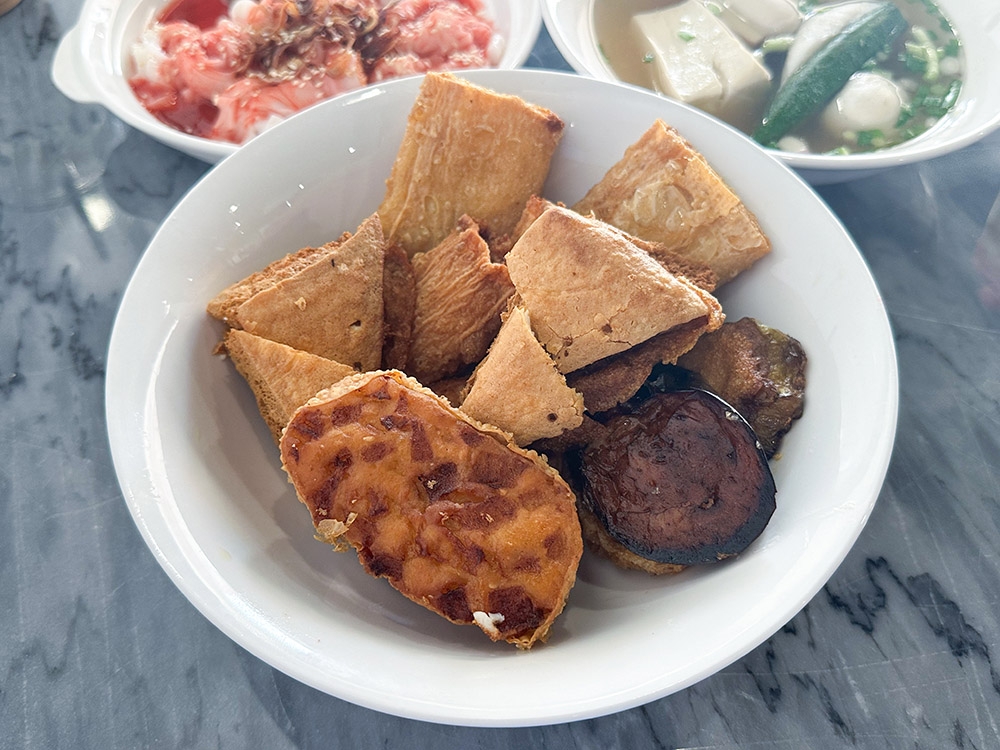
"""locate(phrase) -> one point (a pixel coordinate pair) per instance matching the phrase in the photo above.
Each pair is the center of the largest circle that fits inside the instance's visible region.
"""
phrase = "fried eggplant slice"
(760, 370)
(681, 481)
(449, 511)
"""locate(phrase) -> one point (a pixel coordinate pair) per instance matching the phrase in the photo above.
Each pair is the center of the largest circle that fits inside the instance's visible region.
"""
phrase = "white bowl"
(92, 62)
(977, 113)
(201, 475)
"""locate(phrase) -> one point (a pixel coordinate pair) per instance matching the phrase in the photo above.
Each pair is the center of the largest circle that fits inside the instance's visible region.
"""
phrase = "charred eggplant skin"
(681, 479)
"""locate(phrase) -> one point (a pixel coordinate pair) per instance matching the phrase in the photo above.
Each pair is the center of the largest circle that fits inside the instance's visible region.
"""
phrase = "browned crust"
(466, 150)
(460, 296)
(664, 191)
(601, 542)
(281, 378)
(448, 510)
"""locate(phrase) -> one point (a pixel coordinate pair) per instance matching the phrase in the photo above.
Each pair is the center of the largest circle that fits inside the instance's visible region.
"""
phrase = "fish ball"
(868, 101)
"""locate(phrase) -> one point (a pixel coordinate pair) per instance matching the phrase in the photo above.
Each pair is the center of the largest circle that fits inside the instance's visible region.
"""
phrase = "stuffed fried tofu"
(456, 517)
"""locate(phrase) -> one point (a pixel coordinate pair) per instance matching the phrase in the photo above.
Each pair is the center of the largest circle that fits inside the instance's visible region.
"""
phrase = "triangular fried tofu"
(592, 292)
(466, 150)
(282, 378)
(331, 308)
(223, 306)
(460, 296)
(518, 388)
(664, 191)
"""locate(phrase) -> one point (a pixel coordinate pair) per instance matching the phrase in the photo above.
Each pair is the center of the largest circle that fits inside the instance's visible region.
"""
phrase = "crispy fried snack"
(759, 370)
(331, 307)
(399, 301)
(518, 388)
(663, 190)
(281, 378)
(466, 150)
(449, 511)
(592, 292)
(460, 295)
(615, 379)
(224, 305)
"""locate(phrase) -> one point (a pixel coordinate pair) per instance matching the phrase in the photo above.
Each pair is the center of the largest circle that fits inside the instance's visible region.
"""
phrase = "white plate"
(977, 113)
(93, 62)
(202, 479)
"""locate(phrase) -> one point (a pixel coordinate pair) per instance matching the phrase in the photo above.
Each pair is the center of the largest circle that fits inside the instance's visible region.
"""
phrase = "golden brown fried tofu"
(664, 191)
(466, 150)
(500, 246)
(451, 513)
(612, 380)
(224, 305)
(518, 388)
(460, 296)
(592, 292)
(281, 378)
(332, 307)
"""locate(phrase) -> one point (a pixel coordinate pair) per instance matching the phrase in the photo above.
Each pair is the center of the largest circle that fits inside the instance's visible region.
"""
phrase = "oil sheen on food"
(750, 62)
(228, 72)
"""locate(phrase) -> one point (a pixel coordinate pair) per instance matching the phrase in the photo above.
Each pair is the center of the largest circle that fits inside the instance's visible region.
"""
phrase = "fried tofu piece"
(224, 305)
(518, 388)
(535, 207)
(452, 514)
(281, 378)
(615, 379)
(592, 293)
(332, 307)
(664, 191)
(675, 262)
(460, 296)
(466, 150)
(399, 303)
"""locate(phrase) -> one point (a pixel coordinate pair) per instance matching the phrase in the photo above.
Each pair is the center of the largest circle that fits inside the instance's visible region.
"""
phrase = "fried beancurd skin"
(456, 517)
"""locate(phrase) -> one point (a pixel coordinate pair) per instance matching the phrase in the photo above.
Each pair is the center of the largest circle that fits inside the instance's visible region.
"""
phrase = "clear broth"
(628, 61)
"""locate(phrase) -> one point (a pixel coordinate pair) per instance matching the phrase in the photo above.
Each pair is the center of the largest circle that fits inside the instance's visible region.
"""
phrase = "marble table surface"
(100, 650)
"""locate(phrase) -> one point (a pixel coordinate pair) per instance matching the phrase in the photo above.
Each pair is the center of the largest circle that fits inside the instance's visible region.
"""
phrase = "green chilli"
(820, 77)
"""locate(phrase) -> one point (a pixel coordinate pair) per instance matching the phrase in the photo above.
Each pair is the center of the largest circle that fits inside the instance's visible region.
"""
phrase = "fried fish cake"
(454, 515)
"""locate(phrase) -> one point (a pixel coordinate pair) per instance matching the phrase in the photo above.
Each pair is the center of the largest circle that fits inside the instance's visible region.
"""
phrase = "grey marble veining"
(99, 650)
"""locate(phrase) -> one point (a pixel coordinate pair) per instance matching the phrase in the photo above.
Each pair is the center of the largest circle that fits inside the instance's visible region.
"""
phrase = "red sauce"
(202, 13)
